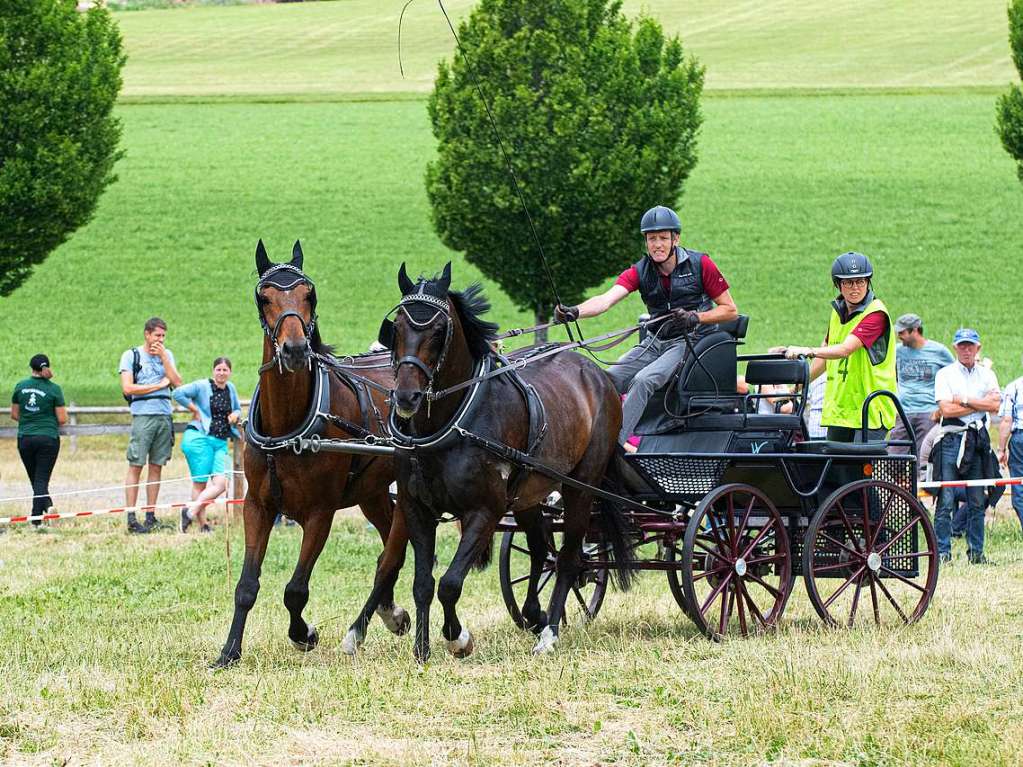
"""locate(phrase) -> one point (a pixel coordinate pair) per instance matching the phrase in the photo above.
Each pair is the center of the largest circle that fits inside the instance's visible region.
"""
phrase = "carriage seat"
(693, 388)
(827, 447)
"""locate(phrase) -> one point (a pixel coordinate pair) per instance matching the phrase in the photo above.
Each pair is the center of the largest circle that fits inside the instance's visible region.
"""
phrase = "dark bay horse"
(440, 340)
(301, 393)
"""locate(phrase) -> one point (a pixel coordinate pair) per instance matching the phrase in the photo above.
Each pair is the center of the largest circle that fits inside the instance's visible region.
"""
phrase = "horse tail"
(618, 531)
(484, 553)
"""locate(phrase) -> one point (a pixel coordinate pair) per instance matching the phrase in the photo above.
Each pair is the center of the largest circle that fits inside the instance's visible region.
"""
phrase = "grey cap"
(908, 322)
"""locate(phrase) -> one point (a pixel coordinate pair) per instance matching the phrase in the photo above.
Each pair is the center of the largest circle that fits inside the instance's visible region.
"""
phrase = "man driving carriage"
(672, 280)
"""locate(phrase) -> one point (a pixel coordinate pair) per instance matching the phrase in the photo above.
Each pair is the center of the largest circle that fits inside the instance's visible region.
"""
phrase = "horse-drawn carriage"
(733, 504)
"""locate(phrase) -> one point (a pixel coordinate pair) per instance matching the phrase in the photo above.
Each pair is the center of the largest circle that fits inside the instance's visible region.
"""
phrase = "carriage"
(733, 504)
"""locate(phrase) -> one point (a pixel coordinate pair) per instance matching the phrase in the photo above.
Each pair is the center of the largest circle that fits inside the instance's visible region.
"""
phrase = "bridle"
(442, 308)
(298, 278)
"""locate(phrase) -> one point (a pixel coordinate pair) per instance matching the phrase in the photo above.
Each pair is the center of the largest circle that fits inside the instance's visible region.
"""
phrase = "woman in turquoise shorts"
(214, 405)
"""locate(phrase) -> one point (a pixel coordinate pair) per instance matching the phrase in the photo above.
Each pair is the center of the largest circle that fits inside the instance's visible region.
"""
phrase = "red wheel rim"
(870, 556)
(737, 564)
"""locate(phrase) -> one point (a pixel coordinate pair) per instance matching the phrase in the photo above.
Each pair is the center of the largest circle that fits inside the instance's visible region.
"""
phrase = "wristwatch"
(965, 401)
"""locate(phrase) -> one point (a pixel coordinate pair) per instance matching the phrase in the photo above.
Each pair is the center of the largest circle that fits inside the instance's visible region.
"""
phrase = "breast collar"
(450, 431)
(314, 422)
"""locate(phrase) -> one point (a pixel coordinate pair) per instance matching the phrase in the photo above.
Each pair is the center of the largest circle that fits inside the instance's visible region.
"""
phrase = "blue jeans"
(1016, 470)
(975, 501)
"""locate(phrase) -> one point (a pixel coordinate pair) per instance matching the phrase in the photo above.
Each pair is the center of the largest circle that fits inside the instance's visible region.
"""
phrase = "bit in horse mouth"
(402, 413)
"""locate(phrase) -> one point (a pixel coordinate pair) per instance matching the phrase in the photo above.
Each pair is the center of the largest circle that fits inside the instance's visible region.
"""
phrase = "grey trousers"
(922, 424)
(641, 371)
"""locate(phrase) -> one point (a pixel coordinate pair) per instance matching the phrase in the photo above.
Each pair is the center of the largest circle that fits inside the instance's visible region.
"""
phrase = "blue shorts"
(206, 455)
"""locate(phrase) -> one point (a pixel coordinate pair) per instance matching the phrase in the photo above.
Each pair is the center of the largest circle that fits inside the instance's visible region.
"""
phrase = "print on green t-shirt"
(37, 400)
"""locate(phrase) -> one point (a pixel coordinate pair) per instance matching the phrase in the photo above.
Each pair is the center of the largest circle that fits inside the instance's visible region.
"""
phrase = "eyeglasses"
(854, 282)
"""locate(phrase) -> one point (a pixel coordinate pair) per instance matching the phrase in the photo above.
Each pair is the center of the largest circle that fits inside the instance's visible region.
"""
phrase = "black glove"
(686, 319)
(566, 313)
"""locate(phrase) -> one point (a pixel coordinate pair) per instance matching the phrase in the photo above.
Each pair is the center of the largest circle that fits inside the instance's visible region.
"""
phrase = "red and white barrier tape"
(996, 482)
(101, 512)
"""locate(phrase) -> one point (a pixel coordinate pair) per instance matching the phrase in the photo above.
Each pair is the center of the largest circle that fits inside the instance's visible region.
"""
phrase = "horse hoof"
(351, 643)
(396, 619)
(309, 643)
(463, 646)
(547, 642)
(538, 625)
(224, 661)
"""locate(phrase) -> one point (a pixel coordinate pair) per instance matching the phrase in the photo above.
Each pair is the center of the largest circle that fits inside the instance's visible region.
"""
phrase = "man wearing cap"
(147, 373)
(682, 288)
(966, 392)
(38, 407)
(917, 362)
(1010, 439)
(858, 354)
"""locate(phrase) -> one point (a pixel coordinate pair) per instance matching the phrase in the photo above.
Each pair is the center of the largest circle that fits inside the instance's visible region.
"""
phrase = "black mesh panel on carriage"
(680, 476)
(898, 471)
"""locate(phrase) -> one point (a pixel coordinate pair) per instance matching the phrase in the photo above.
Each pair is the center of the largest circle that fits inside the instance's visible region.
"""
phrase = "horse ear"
(263, 262)
(404, 283)
(296, 255)
(445, 277)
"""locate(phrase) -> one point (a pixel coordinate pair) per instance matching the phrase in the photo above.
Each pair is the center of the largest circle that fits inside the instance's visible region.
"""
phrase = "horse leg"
(383, 516)
(258, 524)
(576, 523)
(476, 531)
(388, 567)
(422, 529)
(315, 530)
(532, 523)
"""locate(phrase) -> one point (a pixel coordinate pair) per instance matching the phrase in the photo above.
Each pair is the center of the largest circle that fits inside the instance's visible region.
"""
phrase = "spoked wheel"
(673, 553)
(737, 564)
(586, 594)
(870, 554)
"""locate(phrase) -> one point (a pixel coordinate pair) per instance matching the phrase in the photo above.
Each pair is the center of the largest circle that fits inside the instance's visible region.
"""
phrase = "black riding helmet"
(850, 265)
(660, 219)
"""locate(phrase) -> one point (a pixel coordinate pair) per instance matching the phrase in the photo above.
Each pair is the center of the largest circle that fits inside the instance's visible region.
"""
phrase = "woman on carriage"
(858, 354)
(672, 280)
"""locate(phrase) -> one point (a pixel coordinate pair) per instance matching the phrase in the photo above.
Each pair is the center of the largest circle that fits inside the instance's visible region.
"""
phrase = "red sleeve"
(714, 284)
(870, 328)
(629, 279)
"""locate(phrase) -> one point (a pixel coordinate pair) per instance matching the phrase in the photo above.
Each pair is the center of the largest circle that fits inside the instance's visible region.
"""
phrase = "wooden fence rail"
(74, 429)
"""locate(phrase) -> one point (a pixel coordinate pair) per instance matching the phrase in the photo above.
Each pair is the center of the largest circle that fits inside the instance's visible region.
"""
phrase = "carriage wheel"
(736, 563)
(587, 593)
(673, 553)
(870, 549)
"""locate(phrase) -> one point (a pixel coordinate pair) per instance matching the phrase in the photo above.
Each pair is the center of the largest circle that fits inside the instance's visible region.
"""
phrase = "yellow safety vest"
(853, 378)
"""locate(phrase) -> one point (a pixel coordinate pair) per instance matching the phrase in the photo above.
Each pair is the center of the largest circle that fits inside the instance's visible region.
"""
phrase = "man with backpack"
(147, 374)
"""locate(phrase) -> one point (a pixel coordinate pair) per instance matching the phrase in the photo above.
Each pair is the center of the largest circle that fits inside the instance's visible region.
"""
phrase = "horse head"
(286, 299)
(422, 336)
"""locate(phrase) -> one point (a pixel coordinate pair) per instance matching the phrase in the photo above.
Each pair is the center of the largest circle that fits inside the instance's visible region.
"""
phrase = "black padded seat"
(827, 447)
(750, 422)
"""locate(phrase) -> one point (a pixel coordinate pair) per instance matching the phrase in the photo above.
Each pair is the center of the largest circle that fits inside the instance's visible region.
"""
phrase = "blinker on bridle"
(277, 277)
(442, 308)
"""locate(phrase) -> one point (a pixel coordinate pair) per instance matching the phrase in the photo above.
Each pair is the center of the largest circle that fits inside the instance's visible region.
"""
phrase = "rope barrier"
(101, 512)
(995, 482)
(107, 489)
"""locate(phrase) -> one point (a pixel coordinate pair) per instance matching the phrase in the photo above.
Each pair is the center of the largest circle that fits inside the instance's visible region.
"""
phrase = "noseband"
(441, 306)
(276, 277)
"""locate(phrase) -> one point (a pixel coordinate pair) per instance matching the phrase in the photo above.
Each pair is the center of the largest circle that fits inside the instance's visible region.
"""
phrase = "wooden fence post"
(238, 478)
(72, 420)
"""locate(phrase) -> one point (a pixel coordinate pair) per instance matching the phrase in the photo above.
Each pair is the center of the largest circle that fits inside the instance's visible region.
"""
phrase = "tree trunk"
(541, 315)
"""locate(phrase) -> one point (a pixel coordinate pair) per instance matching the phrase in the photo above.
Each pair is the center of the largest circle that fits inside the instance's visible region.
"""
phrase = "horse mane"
(318, 346)
(470, 304)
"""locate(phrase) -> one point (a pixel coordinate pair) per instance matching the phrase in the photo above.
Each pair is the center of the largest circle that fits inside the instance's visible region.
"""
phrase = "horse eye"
(263, 300)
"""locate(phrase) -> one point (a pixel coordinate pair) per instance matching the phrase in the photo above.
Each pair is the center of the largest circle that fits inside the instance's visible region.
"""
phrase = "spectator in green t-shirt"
(38, 407)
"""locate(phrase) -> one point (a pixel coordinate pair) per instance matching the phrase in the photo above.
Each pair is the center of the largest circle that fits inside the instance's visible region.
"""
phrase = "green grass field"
(829, 126)
(105, 642)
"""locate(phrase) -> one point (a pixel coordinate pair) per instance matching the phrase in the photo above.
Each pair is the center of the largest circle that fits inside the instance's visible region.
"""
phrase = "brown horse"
(441, 341)
(302, 391)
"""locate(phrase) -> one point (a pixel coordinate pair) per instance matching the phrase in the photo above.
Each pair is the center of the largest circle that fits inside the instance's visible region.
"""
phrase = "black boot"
(133, 524)
(151, 524)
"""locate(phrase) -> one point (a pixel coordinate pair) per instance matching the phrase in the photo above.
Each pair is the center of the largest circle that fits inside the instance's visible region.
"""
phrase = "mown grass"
(350, 47)
(106, 639)
(784, 184)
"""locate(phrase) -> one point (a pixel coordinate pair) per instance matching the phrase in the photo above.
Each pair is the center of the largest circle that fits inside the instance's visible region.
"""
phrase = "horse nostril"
(416, 397)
